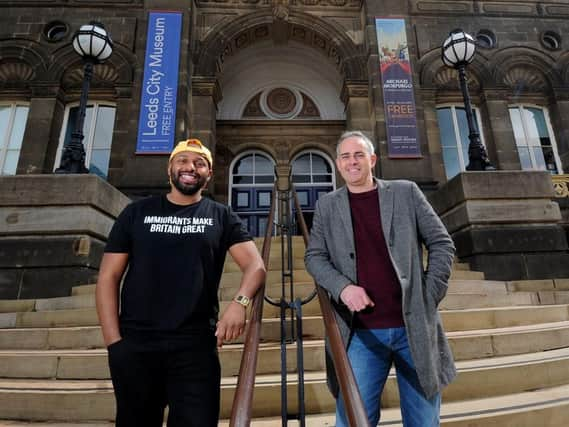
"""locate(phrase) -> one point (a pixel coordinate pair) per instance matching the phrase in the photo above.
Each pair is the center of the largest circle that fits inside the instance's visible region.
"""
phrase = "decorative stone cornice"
(528, 78)
(354, 89)
(496, 94)
(285, 4)
(560, 93)
(206, 86)
(103, 75)
(503, 8)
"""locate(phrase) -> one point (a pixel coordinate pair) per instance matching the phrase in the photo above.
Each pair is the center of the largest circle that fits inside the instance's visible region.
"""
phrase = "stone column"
(433, 135)
(123, 146)
(205, 94)
(559, 115)
(41, 136)
(503, 148)
(355, 96)
(53, 230)
(505, 224)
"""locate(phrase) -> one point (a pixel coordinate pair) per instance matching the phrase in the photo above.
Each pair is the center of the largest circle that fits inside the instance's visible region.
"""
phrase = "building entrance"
(313, 176)
(252, 180)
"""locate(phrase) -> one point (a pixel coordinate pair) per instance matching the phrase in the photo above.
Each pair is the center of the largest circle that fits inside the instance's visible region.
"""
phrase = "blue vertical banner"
(397, 83)
(157, 121)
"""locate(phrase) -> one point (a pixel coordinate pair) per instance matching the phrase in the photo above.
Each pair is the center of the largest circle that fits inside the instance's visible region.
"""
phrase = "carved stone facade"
(524, 60)
(283, 78)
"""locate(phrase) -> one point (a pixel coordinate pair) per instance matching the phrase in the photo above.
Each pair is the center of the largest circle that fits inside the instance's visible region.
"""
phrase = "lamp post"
(94, 45)
(457, 52)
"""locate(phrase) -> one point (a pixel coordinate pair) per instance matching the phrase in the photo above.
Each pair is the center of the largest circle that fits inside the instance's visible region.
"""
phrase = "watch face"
(243, 300)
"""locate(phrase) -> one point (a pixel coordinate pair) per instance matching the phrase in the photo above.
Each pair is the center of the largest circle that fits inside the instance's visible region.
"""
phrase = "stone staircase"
(510, 340)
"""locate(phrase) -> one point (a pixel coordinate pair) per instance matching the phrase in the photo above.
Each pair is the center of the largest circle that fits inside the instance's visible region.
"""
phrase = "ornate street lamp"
(94, 45)
(457, 52)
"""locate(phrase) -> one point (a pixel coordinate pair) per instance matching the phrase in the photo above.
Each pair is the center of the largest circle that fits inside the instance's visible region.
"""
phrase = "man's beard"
(188, 189)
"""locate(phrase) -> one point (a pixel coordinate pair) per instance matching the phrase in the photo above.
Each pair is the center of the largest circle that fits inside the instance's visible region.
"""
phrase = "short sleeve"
(120, 237)
(235, 231)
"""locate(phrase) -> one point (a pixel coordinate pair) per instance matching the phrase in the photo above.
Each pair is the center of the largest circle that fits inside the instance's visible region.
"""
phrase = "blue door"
(313, 176)
(252, 179)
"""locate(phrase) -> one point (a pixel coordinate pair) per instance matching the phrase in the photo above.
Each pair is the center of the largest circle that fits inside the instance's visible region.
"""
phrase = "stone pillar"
(505, 224)
(53, 230)
(45, 116)
(503, 148)
(123, 147)
(205, 96)
(433, 135)
(561, 187)
(355, 96)
(559, 114)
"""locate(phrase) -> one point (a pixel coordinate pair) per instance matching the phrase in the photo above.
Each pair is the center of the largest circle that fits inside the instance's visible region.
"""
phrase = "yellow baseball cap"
(195, 146)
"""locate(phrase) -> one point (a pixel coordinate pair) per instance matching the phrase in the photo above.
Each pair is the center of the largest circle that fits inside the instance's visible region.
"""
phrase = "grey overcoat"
(408, 221)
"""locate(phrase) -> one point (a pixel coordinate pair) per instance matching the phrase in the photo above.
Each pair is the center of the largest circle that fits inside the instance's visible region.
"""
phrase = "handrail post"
(243, 398)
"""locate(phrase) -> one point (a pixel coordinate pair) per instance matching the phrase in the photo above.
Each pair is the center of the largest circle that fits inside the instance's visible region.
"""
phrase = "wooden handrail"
(355, 410)
(243, 399)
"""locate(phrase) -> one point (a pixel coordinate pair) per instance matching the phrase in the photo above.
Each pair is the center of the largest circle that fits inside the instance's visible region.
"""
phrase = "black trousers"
(182, 374)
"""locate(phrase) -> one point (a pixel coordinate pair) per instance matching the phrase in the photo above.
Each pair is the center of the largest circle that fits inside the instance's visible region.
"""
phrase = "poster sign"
(397, 82)
(157, 120)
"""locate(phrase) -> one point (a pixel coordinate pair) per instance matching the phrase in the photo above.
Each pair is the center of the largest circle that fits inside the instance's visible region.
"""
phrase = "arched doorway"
(252, 176)
(313, 176)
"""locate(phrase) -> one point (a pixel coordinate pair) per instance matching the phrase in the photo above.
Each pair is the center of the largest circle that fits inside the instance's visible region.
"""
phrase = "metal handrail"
(355, 410)
(243, 398)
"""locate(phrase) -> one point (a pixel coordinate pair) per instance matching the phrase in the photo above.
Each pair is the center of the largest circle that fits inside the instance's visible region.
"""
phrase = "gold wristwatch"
(243, 300)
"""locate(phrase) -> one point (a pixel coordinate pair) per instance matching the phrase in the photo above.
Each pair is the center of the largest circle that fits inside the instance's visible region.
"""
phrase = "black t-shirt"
(176, 257)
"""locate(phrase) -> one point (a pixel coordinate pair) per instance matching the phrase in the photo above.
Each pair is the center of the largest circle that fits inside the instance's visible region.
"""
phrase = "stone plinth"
(53, 230)
(505, 223)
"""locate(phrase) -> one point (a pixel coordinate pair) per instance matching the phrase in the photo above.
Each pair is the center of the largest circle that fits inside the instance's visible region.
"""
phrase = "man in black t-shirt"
(162, 346)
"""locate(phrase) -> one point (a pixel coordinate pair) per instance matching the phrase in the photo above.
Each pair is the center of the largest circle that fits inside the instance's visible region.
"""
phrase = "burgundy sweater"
(375, 270)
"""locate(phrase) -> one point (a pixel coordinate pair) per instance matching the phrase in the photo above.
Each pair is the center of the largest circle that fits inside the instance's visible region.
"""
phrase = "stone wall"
(505, 224)
(53, 230)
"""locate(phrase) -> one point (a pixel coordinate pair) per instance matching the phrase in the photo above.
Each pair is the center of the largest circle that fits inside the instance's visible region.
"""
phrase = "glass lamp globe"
(458, 49)
(92, 41)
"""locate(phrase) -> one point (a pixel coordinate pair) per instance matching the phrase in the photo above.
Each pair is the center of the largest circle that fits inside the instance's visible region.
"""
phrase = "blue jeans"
(371, 353)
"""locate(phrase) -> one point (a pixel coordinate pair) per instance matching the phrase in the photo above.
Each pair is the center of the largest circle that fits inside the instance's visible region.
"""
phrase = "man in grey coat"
(365, 249)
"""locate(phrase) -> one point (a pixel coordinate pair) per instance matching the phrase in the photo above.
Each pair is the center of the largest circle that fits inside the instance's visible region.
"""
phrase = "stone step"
(48, 304)
(461, 293)
(231, 280)
(93, 400)
(92, 364)
(502, 317)
(83, 289)
(276, 261)
(454, 320)
(546, 407)
(480, 344)
(538, 285)
(476, 300)
(460, 266)
(465, 344)
(483, 287)
(543, 407)
(466, 275)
